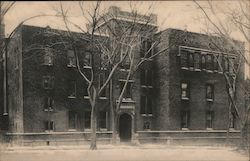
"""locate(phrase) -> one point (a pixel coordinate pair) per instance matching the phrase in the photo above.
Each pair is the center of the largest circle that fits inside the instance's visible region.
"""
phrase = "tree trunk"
(93, 128)
(114, 122)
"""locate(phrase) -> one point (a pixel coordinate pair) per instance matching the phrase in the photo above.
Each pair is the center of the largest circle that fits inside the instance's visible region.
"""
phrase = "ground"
(145, 152)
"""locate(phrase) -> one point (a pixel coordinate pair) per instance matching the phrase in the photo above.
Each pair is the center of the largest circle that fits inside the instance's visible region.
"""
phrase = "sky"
(170, 14)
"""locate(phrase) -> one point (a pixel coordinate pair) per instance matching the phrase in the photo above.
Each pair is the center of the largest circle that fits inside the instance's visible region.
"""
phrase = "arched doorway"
(125, 127)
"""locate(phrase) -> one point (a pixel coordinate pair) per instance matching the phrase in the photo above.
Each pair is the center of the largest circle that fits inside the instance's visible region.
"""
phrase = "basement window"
(49, 126)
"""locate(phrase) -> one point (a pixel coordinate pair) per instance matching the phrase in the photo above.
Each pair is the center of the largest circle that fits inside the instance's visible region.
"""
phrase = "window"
(215, 63)
(147, 50)
(185, 116)
(87, 119)
(49, 126)
(101, 83)
(203, 62)
(233, 121)
(184, 91)
(127, 93)
(146, 125)
(146, 105)
(191, 59)
(72, 89)
(197, 61)
(231, 65)
(85, 90)
(71, 58)
(72, 119)
(48, 82)
(103, 120)
(48, 104)
(146, 77)
(125, 58)
(184, 61)
(48, 57)
(209, 92)
(87, 59)
(209, 119)
(209, 62)
(225, 64)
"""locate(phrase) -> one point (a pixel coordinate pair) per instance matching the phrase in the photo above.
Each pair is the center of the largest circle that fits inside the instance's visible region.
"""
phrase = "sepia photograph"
(125, 80)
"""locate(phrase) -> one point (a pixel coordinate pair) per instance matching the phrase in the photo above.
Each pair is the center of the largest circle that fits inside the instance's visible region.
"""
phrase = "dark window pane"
(191, 59)
(103, 119)
(209, 119)
(184, 90)
(72, 120)
(225, 64)
(209, 62)
(87, 119)
(197, 61)
(149, 105)
(72, 89)
(143, 104)
(215, 65)
(184, 58)
(71, 58)
(203, 62)
(210, 91)
(184, 119)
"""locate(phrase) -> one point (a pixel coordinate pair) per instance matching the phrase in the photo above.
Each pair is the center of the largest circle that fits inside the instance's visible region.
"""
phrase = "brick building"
(180, 95)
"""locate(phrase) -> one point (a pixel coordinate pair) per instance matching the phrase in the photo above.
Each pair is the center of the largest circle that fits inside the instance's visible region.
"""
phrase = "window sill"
(185, 129)
(86, 97)
(103, 129)
(197, 70)
(87, 67)
(209, 100)
(72, 130)
(71, 66)
(147, 59)
(209, 129)
(5, 114)
(124, 70)
(124, 80)
(44, 64)
(184, 68)
(209, 71)
(128, 100)
(88, 130)
(146, 86)
(184, 98)
(49, 131)
(232, 129)
(72, 97)
(147, 115)
(48, 110)
(103, 98)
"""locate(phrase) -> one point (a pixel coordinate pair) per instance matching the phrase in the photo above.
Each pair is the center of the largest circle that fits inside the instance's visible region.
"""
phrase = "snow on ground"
(144, 152)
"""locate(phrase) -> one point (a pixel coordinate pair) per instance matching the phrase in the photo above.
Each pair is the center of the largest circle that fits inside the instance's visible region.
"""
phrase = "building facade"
(179, 95)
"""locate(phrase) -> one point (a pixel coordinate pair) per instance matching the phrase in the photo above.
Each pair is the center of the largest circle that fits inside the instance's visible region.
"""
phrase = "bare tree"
(118, 43)
(238, 19)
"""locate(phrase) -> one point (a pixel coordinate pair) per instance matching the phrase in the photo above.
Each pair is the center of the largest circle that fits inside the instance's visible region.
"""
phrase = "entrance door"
(125, 124)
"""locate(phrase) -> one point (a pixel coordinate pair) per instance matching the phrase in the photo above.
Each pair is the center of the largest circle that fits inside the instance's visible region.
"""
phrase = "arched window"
(225, 64)
(191, 60)
(209, 63)
(184, 59)
(197, 61)
(203, 62)
(215, 63)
